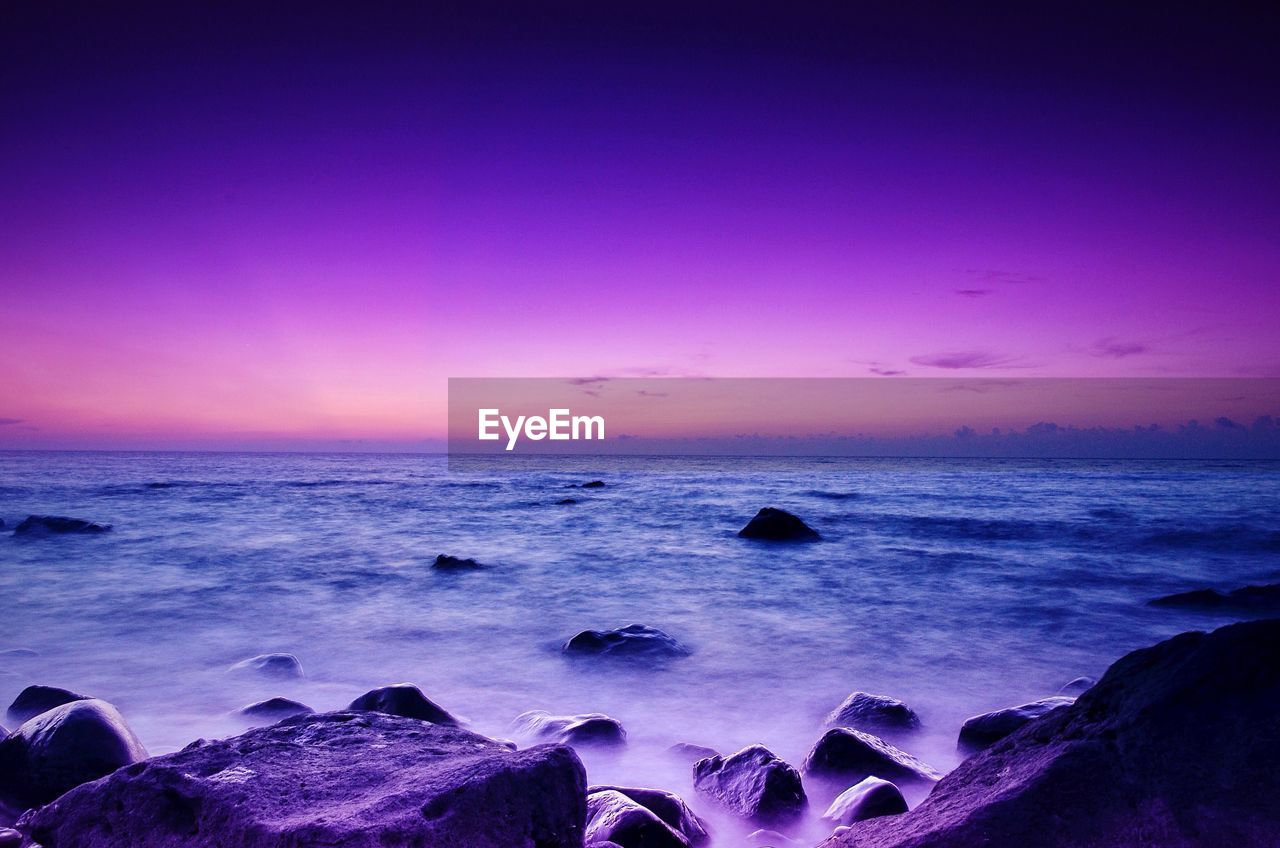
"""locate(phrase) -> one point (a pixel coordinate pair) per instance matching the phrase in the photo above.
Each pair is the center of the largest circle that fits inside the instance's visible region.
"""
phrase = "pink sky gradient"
(302, 254)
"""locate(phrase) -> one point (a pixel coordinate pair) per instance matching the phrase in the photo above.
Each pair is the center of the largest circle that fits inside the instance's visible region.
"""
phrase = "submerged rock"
(18, 654)
(64, 747)
(668, 806)
(778, 525)
(1175, 747)
(269, 665)
(403, 699)
(1248, 599)
(863, 711)
(868, 799)
(590, 730)
(566, 501)
(846, 755)
(753, 784)
(986, 729)
(594, 484)
(274, 709)
(358, 780)
(37, 699)
(453, 563)
(48, 525)
(634, 640)
(613, 817)
(690, 753)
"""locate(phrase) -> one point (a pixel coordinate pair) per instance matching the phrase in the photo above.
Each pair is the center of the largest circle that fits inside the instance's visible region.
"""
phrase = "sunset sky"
(290, 227)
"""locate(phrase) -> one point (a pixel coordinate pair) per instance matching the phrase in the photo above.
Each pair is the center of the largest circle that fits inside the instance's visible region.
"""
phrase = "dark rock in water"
(617, 818)
(863, 711)
(1077, 687)
(64, 747)
(38, 699)
(986, 729)
(754, 785)
(778, 525)
(48, 525)
(667, 806)
(690, 753)
(1248, 599)
(566, 501)
(270, 665)
(590, 730)
(274, 709)
(356, 780)
(453, 563)
(1175, 747)
(634, 640)
(18, 654)
(594, 484)
(844, 755)
(869, 799)
(403, 699)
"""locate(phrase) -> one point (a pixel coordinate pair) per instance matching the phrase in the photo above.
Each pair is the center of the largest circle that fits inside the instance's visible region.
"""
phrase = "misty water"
(957, 586)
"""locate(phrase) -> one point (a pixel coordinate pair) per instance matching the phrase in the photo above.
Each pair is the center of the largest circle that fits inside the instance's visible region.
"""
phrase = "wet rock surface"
(754, 785)
(634, 640)
(403, 699)
(844, 755)
(593, 730)
(982, 730)
(38, 699)
(55, 525)
(873, 713)
(778, 525)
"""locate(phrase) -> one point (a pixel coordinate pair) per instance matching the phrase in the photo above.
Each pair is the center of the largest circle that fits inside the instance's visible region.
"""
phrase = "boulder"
(687, 752)
(594, 484)
(269, 665)
(613, 817)
(64, 747)
(875, 713)
(38, 699)
(50, 525)
(274, 709)
(669, 807)
(634, 640)
(1248, 599)
(403, 699)
(844, 755)
(1077, 687)
(590, 730)
(1175, 747)
(754, 785)
(778, 525)
(453, 563)
(358, 780)
(869, 799)
(982, 730)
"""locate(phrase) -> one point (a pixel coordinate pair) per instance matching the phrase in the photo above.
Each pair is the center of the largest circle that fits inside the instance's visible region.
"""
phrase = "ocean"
(958, 586)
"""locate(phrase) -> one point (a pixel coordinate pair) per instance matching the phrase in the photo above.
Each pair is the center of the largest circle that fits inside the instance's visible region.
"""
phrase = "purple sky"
(290, 226)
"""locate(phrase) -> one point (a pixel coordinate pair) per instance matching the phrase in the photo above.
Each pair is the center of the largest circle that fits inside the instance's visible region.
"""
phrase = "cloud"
(4, 421)
(973, 292)
(887, 372)
(1113, 348)
(996, 275)
(964, 359)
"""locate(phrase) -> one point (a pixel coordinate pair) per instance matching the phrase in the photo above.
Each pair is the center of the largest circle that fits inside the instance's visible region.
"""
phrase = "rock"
(613, 817)
(566, 501)
(869, 799)
(754, 785)
(357, 780)
(667, 806)
(590, 730)
(18, 654)
(690, 753)
(594, 484)
(274, 709)
(876, 713)
(453, 563)
(64, 747)
(10, 838)
(38, 699)
(1077, 687)
(270, 665)
(983, 730)
(403, 699)
(778, 525)
(49, 525)
(772, 839)
(1248, 599)
(844, 755)
(634, 640)
(1175, 747)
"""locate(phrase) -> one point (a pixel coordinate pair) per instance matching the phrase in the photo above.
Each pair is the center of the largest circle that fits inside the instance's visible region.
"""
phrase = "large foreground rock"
(778, 525)
(60, 749)
(1175, 747)
(753, 784)
(356, 780)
